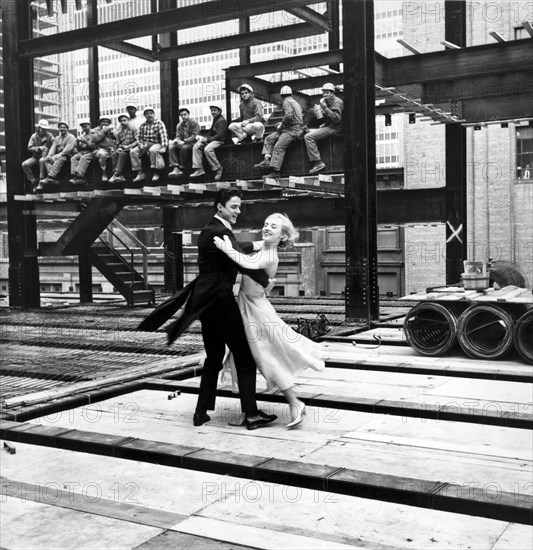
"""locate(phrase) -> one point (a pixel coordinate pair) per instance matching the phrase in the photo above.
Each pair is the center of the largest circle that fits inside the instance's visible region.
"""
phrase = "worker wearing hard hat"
(61, 151)
(329, 112)
(39, 144)
(250, 124)
(135, 120)
(84, 148)
(289, 129)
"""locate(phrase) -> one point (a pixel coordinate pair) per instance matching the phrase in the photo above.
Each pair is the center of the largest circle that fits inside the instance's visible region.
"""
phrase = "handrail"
(132, 267)
(142, 246)
(131, 236)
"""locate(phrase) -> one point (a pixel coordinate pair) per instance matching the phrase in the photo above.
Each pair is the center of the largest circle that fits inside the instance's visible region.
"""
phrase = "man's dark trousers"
(222, 324)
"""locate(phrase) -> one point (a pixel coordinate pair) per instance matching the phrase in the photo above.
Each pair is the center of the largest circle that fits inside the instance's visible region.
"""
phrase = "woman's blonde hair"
(287, 229)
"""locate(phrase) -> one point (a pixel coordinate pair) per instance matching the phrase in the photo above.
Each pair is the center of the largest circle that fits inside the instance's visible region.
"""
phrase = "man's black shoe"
(261, 419)
(200, 418)
(267, 417)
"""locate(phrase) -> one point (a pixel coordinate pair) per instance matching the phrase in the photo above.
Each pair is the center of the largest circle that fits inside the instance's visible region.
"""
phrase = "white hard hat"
(246, 87)
(328, 86)
(85, 121)
(149, 109)
(215, 107)
(286, 90)
(62, 122)
(43, 123)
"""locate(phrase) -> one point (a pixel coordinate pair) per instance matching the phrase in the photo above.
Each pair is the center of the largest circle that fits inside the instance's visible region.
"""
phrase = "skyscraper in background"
(47, 79)
(61, 81)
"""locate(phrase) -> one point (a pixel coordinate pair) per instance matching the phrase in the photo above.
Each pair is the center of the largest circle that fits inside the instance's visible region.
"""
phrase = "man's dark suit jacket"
(216, 278)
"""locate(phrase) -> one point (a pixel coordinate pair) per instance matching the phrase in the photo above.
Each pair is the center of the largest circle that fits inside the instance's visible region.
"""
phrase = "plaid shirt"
(125, 136)
(155, 132)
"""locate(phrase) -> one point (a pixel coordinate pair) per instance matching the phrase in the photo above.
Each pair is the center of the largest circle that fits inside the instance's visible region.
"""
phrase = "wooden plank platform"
(508, 294)
(330, 437)
(348, 390)
(242, 514)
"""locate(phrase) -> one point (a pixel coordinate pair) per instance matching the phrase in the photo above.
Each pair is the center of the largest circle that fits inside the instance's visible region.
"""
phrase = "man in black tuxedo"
(221, 320)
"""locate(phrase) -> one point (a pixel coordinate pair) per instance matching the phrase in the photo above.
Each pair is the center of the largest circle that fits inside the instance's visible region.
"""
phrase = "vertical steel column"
(168, 75)
(334, 33)
(19, 125)
(173, 262)
(362, 292)
(244, 53)
(456, 246)
(85, 273)
(94, 85)
(244, 59)
(153, 9)
(86, 278)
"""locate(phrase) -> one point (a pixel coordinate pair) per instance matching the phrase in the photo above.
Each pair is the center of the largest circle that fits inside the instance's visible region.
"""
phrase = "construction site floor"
(396, 450)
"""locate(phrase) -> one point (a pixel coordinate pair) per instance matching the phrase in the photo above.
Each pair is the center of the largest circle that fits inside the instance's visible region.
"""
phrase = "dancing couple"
(248, 326)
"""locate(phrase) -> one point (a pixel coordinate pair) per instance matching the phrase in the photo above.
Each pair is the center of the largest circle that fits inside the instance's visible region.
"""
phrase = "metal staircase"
(84, 236)
(119, 268)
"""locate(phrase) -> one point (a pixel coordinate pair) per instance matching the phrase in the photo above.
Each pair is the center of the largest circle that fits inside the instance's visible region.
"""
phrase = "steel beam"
(455, 136)
(488, 59)
(19, 125)
(94, 77)
(334, 35)
(233, 42)
(362, 292)
(244, 51)
(394, 207)
(178, 19)
(498, 108)
(85, 273)
(173, 260)
(476, 87)
(311, 16)
(133, 50)
(286, 64)
(168, 77)
(313, 82)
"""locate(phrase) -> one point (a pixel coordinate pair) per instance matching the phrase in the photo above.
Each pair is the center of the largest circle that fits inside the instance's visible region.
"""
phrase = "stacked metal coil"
(431, 328)
(486, 331)
(523, 336)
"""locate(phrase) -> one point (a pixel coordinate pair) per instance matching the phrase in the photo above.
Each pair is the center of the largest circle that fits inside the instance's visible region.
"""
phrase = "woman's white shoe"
(298, 419)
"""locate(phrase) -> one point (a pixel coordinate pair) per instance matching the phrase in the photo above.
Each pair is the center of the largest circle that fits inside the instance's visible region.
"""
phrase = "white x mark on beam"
(455, 233)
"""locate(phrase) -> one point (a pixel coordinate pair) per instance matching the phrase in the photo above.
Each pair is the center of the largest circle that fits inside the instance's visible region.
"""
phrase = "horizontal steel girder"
(265, 36)
(398, 206)
(205, 13)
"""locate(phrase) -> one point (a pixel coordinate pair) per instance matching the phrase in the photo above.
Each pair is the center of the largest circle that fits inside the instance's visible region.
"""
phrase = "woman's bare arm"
(259, 260)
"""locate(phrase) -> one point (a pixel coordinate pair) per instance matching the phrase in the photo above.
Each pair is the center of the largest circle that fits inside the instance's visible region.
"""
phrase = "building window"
(524, 152)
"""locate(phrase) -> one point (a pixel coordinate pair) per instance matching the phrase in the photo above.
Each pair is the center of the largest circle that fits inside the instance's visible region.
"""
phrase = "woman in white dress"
(279, 351)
